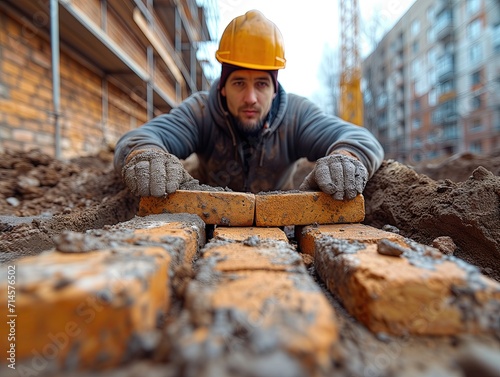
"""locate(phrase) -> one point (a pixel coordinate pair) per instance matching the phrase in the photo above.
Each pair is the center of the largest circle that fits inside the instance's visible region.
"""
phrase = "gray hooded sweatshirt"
(295, 128)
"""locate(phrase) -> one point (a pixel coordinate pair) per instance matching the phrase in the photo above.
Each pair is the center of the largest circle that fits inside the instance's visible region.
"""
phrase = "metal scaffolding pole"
(56, 85)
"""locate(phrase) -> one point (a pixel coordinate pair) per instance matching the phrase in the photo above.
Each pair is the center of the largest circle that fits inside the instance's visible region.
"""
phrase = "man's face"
(249, 95)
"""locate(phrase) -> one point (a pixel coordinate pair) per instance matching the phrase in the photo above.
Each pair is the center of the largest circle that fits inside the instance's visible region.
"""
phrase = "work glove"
(154, 172)
(339, 175)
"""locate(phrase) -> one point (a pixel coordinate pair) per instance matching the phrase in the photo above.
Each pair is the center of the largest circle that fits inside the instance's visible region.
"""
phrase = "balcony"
(444, 24)
(446, 96)
(445, 69)
(443, 5)
(496, 38)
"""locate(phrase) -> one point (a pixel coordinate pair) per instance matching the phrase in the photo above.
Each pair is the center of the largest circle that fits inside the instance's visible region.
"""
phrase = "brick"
(307, 236)
(254, 255)
(41, 59)
(242, 233)
(417, 293)
(213, 207)
(303, 208)
(238, 308)
(23, 136)
(11, 69)
(85, 309)
(92, 299)
(183, 234)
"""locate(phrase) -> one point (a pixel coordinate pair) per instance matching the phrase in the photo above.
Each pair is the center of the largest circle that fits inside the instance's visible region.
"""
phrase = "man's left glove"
(339, 175)
(154, 172)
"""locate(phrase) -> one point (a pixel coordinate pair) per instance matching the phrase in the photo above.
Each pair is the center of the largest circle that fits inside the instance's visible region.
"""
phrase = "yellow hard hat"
(252, 41)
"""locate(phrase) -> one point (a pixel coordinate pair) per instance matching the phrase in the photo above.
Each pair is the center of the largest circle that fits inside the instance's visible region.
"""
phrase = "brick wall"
(26, 109)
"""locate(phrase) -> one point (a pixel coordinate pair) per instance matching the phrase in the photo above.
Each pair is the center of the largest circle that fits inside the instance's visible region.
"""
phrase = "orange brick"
(254, 299)
(255, 255)
(303, 208)
(411, 294)
(164, 230)
(242, 233)
(11, 69)
(85, 309)
(307, 236)
(213, 207)
(24, 136)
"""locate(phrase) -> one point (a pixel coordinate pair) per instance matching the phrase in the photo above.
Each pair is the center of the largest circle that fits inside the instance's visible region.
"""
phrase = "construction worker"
(247, 132)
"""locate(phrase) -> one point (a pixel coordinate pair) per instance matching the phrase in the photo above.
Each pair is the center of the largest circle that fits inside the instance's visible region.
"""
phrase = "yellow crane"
(351, 99)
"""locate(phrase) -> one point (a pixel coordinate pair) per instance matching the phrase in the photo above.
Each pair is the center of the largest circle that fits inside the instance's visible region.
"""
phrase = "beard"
(249, 128)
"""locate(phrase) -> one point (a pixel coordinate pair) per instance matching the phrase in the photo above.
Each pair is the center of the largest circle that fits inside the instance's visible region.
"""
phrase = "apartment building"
(432, 85)
(76, 74)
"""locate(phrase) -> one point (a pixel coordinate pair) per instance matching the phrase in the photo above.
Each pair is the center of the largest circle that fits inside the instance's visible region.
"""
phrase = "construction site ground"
(452, 205)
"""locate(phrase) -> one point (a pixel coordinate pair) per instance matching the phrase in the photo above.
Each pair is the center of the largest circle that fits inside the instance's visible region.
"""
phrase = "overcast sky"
(308, 28)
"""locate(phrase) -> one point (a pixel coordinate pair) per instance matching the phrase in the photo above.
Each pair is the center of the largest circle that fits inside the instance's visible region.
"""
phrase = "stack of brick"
(241, 302)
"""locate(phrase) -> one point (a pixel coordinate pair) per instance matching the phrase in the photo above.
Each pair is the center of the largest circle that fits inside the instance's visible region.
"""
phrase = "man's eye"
(263, 84)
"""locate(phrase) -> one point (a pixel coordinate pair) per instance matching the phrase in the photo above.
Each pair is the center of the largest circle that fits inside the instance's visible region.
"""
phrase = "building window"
(443, 20)
(476, 102)
(433, 97)
(432, 154)
(476, 147)
(496, 38)
(473, 6)
(475, 53)
(445, 64)
(414, 47)
(417, 143)
(496, 119)
(416, 123)
(415, 27)
(431, 13)
(420, 86)
(416, 105)
(431, 35)
(432, 74)
(475, 78)
(432, 56)
(381, 100)
(415, 67)
(474, 29)
(450, 132)
(476, 126)
(446, 87)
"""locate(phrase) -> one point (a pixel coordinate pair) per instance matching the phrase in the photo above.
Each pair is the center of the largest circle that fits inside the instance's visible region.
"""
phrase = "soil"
(466, 213)
(453, 205)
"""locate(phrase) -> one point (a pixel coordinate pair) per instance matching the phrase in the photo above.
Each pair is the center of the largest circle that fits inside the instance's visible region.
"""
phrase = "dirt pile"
(32, 183)
(466, 213)
(40, 197)
(459, 167)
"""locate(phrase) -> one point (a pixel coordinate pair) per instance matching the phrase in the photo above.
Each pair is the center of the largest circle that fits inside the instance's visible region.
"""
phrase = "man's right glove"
(154, 172)
(339, 175)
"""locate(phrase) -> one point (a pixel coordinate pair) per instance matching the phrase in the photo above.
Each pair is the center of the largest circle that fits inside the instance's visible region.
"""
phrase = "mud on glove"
(154, 172)
(337, 174)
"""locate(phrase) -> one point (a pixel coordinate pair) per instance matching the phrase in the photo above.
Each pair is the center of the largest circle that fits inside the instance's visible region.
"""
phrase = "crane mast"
(351, 99)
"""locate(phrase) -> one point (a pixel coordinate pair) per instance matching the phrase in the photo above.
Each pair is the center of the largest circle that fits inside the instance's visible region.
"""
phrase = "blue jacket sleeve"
(319, 134)
(177, 132)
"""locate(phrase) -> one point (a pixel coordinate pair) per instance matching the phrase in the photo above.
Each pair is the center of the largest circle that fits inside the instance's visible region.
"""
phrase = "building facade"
(432, 85)
(76, 74)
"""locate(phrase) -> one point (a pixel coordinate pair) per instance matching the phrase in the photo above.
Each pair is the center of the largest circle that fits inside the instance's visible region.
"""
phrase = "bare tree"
(373, 30)
(328, 75)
